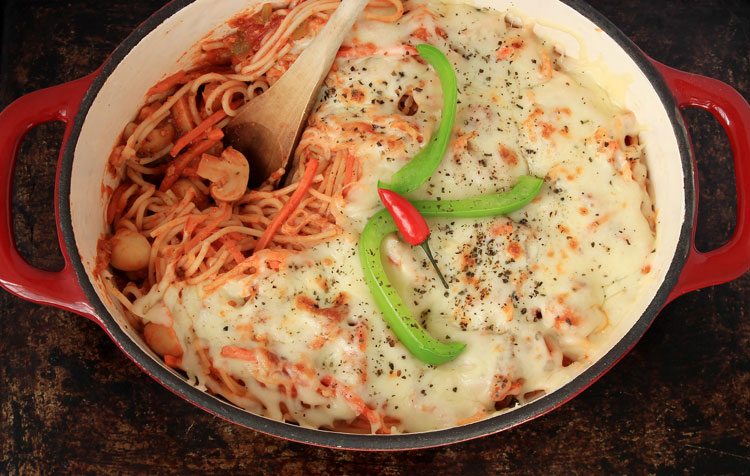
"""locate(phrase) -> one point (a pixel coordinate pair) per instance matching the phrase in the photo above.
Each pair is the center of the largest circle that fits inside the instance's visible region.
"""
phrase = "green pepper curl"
(395, 312)
(425, 163)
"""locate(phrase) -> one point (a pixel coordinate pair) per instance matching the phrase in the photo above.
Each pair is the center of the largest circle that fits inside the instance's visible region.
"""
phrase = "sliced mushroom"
(130, 250)
(183, 186)
(228, 174)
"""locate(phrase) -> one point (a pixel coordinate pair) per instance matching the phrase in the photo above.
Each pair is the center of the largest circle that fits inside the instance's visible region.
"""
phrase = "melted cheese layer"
(531, 294)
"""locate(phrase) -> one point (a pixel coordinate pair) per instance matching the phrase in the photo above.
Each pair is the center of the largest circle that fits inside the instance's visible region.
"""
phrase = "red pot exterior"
(732, 260)
(60, 289)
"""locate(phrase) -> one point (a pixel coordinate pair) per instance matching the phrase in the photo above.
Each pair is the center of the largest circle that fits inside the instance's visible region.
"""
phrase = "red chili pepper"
(410, 223)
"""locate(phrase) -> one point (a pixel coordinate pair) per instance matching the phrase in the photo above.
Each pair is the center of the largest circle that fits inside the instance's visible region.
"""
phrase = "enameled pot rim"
(296, 433)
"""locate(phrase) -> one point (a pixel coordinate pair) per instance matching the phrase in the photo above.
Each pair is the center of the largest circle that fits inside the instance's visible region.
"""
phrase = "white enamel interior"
(163, 50)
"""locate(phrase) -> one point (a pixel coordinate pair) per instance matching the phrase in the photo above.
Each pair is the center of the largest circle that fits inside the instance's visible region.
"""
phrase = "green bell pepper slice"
(396, 313)
(425, 163)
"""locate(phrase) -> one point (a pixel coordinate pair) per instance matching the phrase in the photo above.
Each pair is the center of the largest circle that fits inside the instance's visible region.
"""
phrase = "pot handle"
(60, 288)
(731, 260)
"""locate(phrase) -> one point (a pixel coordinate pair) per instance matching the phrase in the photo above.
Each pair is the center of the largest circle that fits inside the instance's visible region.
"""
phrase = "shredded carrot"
(504, 53)
(336, 313)
(421, 33)
(183, 161)
(359, 50)
(274, 264)
(317, 343)
(567, 317)
(225, 211)
(266, 360)
(462, 143)
(349, 169)
(362, 340)
(233, 249)
(168, 83)
(355, 402)
(272, 256)
(172, 361)
(409, 50)
(358, 126)
(290, 206)
(192, 223)
(194, 134)
(234, 352)
(473, 418)
(501, 228)
(545, 68)
(235, 236)
(116, 203)
(215, 134)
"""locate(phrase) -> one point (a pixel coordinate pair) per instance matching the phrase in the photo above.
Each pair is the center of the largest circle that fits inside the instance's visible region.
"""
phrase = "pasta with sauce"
(256, 294)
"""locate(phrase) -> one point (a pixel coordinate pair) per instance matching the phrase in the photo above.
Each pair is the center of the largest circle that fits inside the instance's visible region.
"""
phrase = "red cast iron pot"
(81, 104)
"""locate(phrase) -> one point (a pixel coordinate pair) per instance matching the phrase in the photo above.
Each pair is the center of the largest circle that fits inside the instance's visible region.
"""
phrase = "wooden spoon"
(268, 127)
